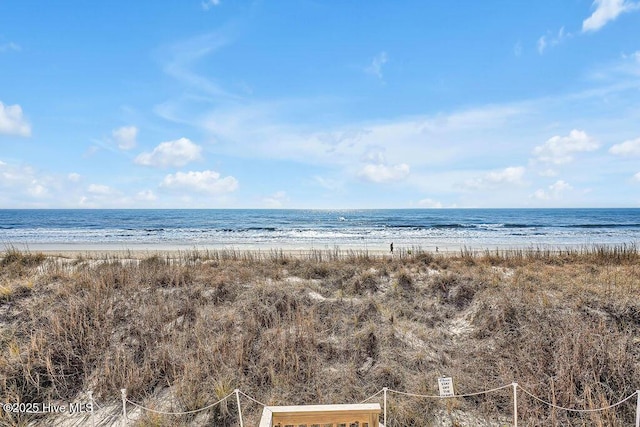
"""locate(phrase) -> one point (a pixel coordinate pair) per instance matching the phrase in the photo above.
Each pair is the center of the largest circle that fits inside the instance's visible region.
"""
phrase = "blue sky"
(319, 104)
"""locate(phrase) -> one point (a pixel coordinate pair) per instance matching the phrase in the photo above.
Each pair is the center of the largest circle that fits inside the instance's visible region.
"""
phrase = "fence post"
(638, 409)
(515, 404)
(385, 405)
(123, 391)
(90, 394)
(237, 392)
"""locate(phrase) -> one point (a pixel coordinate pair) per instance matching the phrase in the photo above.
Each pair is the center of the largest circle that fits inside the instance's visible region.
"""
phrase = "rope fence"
(579, 410)
(252, 399)
(427, 396)
(195, 411)
(384, 391)
(515, 388)
(373, 395)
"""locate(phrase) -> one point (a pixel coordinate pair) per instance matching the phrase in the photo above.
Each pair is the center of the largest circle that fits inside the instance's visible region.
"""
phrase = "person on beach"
(391, 247)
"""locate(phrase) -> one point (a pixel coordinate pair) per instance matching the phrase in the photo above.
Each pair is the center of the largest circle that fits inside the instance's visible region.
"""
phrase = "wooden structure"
(360, 415)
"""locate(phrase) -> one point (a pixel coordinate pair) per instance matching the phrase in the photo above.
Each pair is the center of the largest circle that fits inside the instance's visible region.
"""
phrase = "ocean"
(447, 229)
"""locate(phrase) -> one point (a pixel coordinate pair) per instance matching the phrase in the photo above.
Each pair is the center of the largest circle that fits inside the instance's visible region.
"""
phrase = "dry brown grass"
(326, 327)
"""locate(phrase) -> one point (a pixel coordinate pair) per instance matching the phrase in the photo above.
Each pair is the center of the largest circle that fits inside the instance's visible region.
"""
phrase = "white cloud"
(12, 121)
(509, 176)
(542, 44)
(606, 11)
(329, 183)
(429, 203)
(560, 186)
(37, 190)
(549, 173)
(171, 153)
(426, 140)
(381, 173)
(550, 39)
(146, 196)
(636, 177)
(180, 59)
(100, 190)
(208, 4)
(25, 184)
(101, 196)
(540, 195)
(207, 181)
(125, 137)
(635, 56)
(276, 200)
(626, 70)
(554, 192)
(560, 149)
(627, 148)
(375, 68)
(374, 155)
(10, 47)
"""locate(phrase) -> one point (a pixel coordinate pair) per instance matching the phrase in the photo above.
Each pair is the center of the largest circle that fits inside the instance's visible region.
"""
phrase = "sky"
(319, 104)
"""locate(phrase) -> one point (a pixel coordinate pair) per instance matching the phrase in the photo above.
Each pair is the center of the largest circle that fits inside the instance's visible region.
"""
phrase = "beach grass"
(182, 330)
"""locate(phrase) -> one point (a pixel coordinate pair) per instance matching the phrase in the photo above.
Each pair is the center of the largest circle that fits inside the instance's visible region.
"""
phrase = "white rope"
(427, 396)
(181, 413)
(251, 398)
(372, 396)
(390, 391)
(578, 410)
(483, 392)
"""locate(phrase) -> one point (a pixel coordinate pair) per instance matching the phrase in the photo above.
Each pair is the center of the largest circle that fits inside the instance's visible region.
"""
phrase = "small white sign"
(445, 385)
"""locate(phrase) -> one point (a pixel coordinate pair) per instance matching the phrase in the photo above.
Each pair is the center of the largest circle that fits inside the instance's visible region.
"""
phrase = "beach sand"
(143, 250)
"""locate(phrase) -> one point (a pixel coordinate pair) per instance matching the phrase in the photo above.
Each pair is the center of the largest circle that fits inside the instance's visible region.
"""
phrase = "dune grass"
(327, 327)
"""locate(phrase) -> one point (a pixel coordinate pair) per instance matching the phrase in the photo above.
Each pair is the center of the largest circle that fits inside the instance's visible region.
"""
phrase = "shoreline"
(143, 250)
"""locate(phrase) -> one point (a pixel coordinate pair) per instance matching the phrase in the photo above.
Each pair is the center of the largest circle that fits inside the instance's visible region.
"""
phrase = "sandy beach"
(143, 250)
